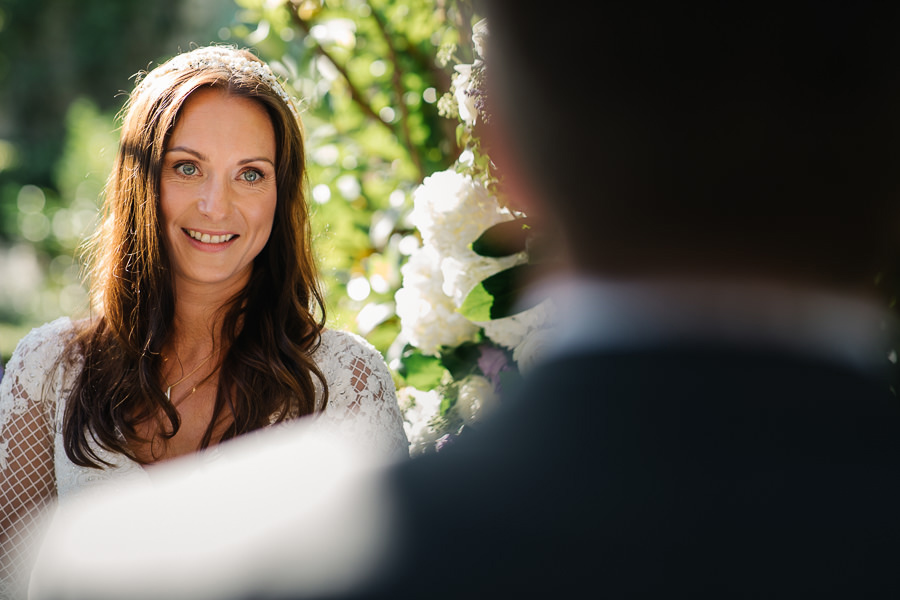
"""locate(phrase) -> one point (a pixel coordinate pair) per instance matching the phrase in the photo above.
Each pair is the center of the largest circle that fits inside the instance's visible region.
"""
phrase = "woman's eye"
(186, 169)
(251, 176)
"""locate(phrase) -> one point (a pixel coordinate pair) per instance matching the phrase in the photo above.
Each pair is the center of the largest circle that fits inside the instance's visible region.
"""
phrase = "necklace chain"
(195, 369)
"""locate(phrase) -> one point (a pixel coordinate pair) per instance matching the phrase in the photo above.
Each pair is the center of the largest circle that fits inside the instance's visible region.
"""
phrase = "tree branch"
(397, 82)
(355, 94)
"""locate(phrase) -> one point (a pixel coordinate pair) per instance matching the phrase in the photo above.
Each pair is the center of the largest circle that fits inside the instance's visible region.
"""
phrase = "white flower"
(532, 348)
(428, 317)
(479, 36)
(451, 210)
(469, 78)
(467, 269)
(419, 409)
(465, 101)
(476, 397)
(511, 331)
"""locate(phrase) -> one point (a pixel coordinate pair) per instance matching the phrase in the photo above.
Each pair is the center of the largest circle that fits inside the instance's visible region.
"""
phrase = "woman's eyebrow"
(203, 157)
(250, 160)
(199, 155)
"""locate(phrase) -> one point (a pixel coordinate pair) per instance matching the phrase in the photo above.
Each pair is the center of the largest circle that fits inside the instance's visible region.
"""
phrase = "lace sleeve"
(27, 429)
(362, 399)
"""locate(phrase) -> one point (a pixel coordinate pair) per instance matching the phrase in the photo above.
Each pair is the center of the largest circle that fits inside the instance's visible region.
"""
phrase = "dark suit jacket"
(679, 471)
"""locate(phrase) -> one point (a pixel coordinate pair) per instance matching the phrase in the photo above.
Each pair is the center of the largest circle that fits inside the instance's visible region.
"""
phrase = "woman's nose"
(214, 201)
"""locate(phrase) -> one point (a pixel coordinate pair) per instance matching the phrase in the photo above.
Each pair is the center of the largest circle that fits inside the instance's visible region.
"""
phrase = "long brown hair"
(269, 330)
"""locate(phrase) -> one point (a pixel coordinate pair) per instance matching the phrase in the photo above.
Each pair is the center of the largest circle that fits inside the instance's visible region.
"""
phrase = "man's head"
(704, 138)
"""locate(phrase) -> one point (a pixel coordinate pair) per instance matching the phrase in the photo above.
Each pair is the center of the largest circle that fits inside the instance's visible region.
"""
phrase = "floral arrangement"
(464, 330)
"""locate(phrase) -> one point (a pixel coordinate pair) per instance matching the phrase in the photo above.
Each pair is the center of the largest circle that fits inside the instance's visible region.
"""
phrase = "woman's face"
(217, 189)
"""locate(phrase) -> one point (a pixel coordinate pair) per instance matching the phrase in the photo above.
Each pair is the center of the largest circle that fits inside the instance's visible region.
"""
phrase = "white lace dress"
(34, 468)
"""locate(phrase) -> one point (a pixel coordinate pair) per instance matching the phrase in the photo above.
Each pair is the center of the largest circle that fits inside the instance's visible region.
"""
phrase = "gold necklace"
(171, 385)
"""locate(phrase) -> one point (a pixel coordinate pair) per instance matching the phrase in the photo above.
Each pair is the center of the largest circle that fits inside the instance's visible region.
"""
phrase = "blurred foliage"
(367, 78)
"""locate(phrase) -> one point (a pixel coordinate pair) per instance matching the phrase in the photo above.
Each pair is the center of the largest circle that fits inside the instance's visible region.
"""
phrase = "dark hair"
(269, 330)
(666, 136)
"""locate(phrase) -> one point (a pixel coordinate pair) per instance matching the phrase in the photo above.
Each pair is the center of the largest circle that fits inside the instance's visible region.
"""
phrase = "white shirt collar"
(597, 314)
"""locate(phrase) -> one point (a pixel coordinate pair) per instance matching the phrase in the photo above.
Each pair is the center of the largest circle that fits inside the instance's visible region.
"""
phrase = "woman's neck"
(199, 313)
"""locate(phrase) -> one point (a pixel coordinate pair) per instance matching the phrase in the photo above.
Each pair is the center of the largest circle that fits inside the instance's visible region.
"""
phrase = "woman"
(208, 322)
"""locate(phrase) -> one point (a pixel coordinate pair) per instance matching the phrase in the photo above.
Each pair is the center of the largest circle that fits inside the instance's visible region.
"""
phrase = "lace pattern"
(34, 468)
(27, 430)
(362, 399)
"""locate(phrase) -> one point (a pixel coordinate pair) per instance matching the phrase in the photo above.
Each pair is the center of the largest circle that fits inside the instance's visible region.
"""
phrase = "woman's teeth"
(209, 239)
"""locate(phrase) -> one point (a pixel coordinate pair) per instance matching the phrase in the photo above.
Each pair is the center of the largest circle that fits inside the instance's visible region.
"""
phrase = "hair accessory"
(228, 57)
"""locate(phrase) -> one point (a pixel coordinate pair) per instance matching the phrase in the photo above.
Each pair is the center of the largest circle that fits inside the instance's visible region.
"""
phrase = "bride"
(207, 319)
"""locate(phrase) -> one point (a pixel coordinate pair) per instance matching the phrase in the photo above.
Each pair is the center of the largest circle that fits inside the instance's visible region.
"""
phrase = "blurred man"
(716, 419)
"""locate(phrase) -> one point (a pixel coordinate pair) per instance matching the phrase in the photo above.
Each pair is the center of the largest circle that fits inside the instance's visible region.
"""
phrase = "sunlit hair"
(269, 330)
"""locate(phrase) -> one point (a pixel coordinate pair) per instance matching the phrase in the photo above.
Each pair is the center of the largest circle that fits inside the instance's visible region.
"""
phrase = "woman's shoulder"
(362, 400)
(344, 354)
(46, 340)
(340, 345)
(341, 337)
(37, 357)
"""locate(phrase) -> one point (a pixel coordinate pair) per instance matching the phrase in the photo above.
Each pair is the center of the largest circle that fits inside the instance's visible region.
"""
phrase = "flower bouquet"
(466, 333)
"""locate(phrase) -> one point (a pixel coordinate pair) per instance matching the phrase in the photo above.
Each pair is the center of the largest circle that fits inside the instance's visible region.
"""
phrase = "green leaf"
(446, 405)
(477, 304)
(460, 135)
(461, 360)
(420, 371)
(503, 239)
(498, 296)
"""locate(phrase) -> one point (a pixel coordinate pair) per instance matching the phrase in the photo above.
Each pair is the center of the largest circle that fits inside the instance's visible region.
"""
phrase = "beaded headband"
(227, 57)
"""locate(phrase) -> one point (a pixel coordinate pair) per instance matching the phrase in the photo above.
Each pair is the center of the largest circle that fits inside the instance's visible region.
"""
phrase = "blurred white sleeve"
(292, 507)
